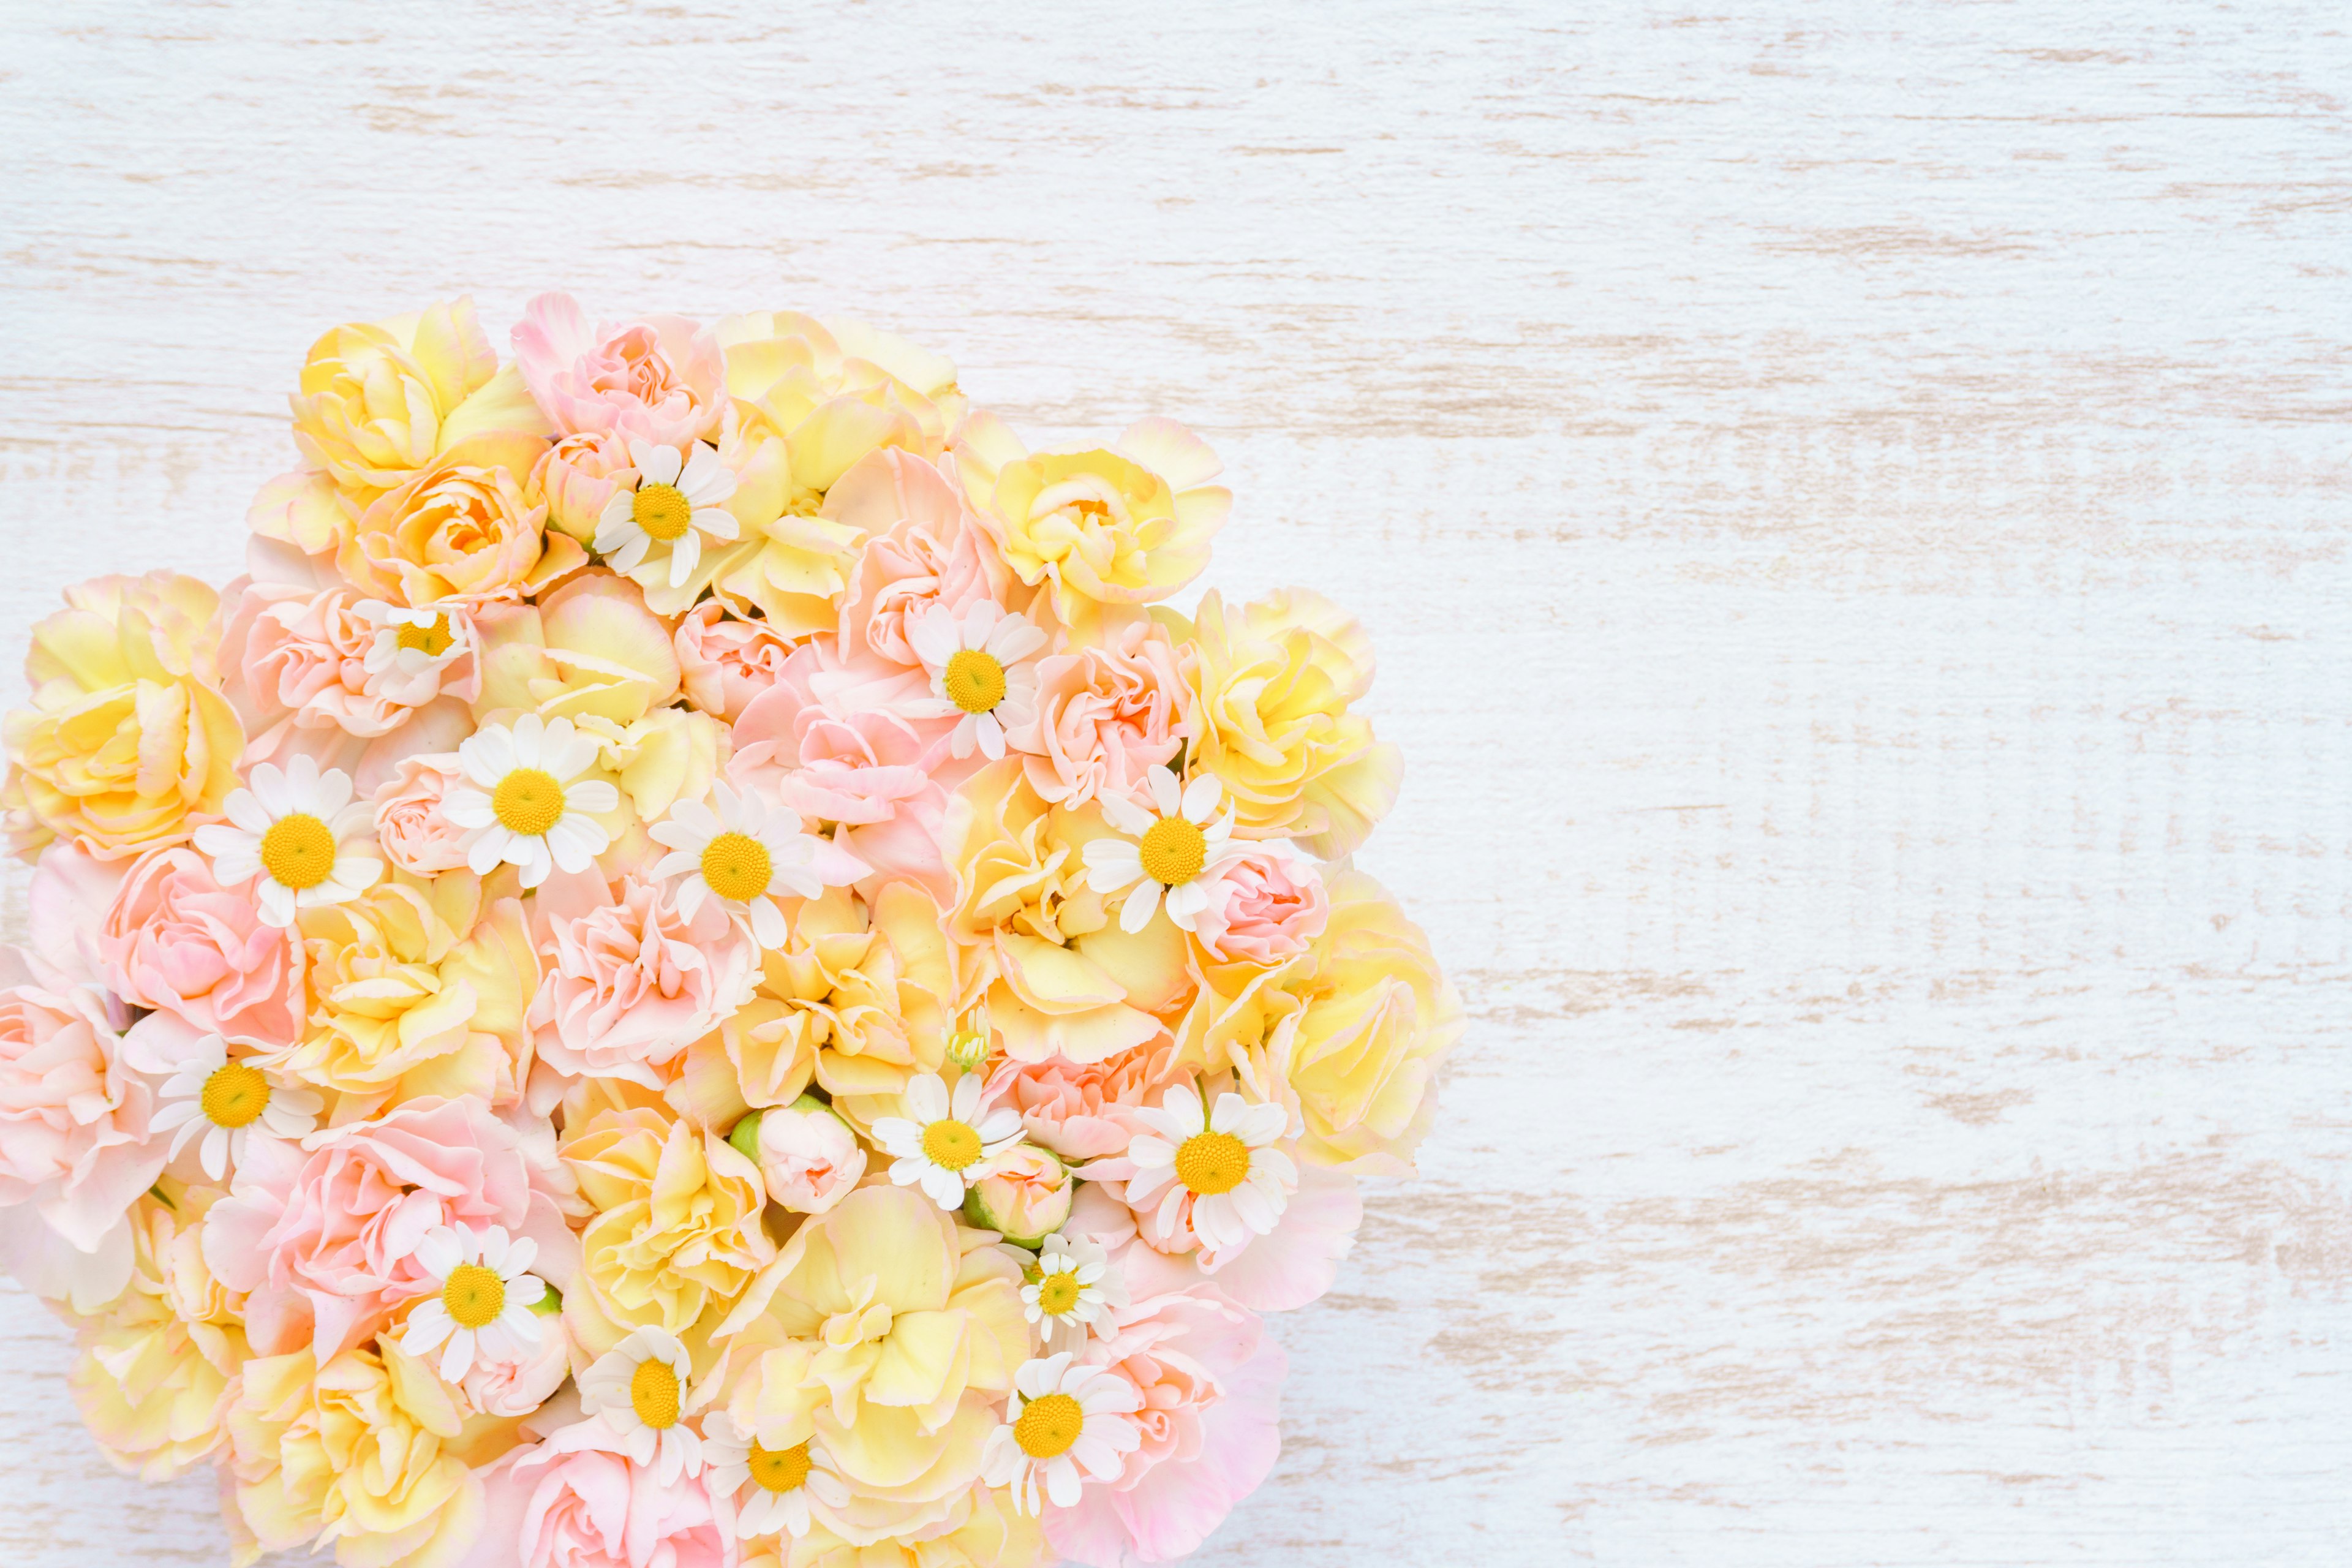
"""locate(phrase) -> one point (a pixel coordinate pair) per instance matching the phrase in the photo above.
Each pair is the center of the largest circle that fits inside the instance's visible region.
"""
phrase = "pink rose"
(1266, 904)
(808, 1156)
(575, 1501)
(1106, 715)
(577, 476)
(1210, 1378)
(926, 547)
(298, 659)
(73, 1141)
(1082, 1112)
(660, 379)
(415, 835)
(324, 1240)
(511, 1389)
(175, 940)
(723, 662)
(631, 983)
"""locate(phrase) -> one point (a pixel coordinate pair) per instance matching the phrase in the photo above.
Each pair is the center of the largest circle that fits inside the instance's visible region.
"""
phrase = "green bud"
(745, 1137)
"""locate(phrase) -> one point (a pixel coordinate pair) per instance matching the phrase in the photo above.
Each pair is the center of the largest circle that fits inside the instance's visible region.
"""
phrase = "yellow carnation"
(588, 649)
(677, 1230)
(981, 1528)
(1127, 524)
(1272, 684)
(154, 1374)
(462, 529)
(128, 743)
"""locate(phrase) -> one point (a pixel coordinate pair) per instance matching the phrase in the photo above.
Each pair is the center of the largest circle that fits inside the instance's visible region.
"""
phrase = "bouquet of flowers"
(695, 968)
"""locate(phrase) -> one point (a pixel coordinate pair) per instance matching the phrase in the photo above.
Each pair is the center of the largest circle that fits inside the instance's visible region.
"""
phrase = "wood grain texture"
(1852, 503)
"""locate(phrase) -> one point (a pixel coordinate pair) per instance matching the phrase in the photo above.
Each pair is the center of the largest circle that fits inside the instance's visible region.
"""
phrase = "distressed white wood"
(1852, 501)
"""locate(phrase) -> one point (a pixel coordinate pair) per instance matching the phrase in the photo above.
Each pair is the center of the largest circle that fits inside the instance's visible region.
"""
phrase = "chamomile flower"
(411, 649)
(772, 1487)
(747, 853)
(1072, 1287)
(640, 1387)
(523, 801)
(300, 834)
(673, 507)
(225, 1103)
(981, 667)
(946, 1142)
(482, 1314)
(1213, 1173)
(1062, 1419)
(1179, 852)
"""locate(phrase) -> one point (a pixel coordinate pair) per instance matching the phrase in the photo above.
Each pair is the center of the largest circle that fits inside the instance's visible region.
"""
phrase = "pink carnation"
(74, 1141)
(324, 1240)
(1265, 905)
(175, 940)
(409, 823)
(574, 1501)
(631, 983)
(294, 659)
(661, 379)
(1106, 715)
(927, 548)
(1082, 1112)
(1209, 1379)
(723, 662)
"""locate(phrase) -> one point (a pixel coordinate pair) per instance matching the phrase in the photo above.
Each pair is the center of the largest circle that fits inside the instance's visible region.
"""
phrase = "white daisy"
(300, 833)
(674, 505)
(1213, 1173)
(1073, 1287)
(946, 1140)
(523, 801)
(981, 667)
(482, 1314)
(772, 1487)
(748, 852)
(1062, 1419)
(640, 1388)
(411, 649)
(1180, 852)
(225, 1103)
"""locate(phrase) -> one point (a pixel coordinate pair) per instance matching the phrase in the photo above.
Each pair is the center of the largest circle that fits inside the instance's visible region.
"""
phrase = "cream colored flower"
(527, 805)
(1063, 1419)
(944, 1140)
(224, 1103)
(644, 1389)
(1209, 1174)
(657, 527)
(1074, 1289)
(1180, 852)
(745, 852)
(772, 1487)
(414, 649)
(983, 667)
(482, 1314)
(299, 835)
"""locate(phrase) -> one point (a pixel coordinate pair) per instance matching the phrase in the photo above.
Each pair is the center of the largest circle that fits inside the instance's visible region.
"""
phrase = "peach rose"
(415, 835)
(1106, 714)
(460, 530)
(660, 379)
(808, 1156)
(926, 547)
(74, 1142)
(175, 940)
(1086, 1112)
(631, 983)
(1024, 1195)
(323, 1241)
(508, 1390)
(577, 1501)
(299, 659)
(1265, 905)
(576, 477)
(724, 662)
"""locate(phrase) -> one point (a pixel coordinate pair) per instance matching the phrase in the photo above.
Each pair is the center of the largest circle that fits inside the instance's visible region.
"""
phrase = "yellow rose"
(462, 529)
(153, 1379)
(1271, 685)
(805, 401)
(677, 1230)
(982, 1530)
(128, 743)
(415, 988)
(1129, 524)
(353, 1453)
(915, 1328)
(377, 402)
(1064, 978)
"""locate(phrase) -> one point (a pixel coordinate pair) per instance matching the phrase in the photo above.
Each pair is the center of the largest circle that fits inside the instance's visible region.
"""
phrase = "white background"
(1853, 504)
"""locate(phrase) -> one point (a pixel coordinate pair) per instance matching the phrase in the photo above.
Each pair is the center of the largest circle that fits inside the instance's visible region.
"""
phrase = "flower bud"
(807, 1155)
(1025, 1195)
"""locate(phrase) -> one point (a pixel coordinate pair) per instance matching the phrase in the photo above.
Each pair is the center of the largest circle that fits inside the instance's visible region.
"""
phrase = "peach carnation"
(659, 379)
(1107, 713)
(175, 940)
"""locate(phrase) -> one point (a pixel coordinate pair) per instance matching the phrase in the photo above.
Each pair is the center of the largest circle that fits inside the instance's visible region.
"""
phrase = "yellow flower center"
(662, 511)
(235, 1095)
(298, 850)
(1057, 1293)
(432, 640)
(780, 1469)
(1048, 1425)
(475, 1296)
(529, 801)
(1211, 1163)
(951, 1145)
(737, 867)
(653, 1394)
(974, 680)
(1174, 851)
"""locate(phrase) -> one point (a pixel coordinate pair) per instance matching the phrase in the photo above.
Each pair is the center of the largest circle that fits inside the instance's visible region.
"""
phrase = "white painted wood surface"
(1852, 501)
